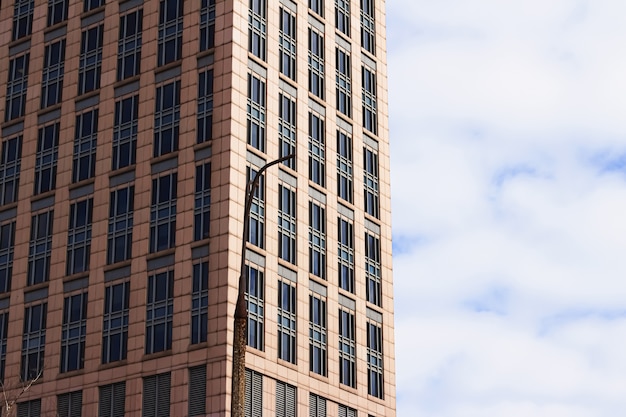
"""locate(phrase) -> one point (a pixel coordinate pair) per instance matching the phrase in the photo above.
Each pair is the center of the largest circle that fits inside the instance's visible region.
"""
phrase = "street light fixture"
(237, 400)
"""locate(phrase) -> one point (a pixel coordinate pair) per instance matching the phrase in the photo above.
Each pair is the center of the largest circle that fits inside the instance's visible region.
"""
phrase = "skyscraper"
(130, 131)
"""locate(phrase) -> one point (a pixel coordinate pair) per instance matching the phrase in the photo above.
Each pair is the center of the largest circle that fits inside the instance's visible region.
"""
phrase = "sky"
(508, 158)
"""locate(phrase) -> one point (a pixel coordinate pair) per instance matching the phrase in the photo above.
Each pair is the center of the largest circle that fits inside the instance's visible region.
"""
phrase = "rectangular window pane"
(170, 31)
(255, 289)
(370, 183)
(287, 44)
(53, 73)
(370, 115)
(120, 231)
(257, 28)
(207, 25)
(90, 59)
(317, 6)
(200, 303)
(125, 132)
(317, 334)
(343, 82)
(79, 237)
(287, 223)
(205, 106)
(256, 112)
(73, 332)
(10, 166)
(166, 118)
(372, 269)
(4, 328)
(342, 16)
(129, 45)
(345, 243)
(368, 26)
(85, 143)
(344, 166)
(92, 4)
(57, 11)
(115, 322)
(22, 18)
(317, 149)
(287, 321)
(46, 158)
(347, 348)
(33, 341)
(163, 213)
(17, 85)
(374, 360)
(202, 202)
(40, 248)
(159, 312)
(316, 63)
(317, 240)
(256, 231)
(287, 115)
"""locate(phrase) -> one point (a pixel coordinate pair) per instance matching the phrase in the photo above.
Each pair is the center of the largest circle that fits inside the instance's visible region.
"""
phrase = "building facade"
(130, 130)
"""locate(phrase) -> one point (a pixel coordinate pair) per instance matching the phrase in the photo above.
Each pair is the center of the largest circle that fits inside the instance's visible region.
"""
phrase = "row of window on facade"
(287, 400)
(257, 31)
(155, 402)
(158, 332)
(318, 338)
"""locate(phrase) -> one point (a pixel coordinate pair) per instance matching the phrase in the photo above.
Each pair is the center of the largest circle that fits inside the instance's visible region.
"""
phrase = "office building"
(129, 132)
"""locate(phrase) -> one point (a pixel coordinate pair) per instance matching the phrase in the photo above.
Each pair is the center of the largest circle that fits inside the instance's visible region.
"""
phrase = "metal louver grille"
(285, 400)
(317, 406)
(254, 394)
(29, 409)
(346, 411)
(112, 400)
(156, 396)
(197, 391)
(70, 404)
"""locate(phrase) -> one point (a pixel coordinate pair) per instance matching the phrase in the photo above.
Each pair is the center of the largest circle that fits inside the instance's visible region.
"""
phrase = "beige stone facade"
(116, 207)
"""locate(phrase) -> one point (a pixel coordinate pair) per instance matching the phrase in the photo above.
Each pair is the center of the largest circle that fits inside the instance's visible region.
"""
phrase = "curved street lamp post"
(237, 400)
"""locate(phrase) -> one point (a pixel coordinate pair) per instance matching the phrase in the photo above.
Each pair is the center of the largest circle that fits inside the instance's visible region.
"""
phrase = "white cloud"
(508, 127)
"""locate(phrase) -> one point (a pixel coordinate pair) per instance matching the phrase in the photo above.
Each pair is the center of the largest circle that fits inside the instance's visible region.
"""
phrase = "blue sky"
(508, 127)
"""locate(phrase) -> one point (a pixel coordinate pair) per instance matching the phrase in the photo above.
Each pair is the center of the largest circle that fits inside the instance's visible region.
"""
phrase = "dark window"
(10, 166)
(4, 328)
(115, 323)
(317, 6)
(17, 84)
(170, 31)
(344, 166)
(70, 404)
(156, 395)
(343, 82)
(317, 406)
(205, 106)
(159, 312)
(207, 25)
(287, 43)
(90, 60)
(256, 232)
(57, 11)
(374, 360)
(347, 348)
(370, 116)
(372, 269)
(33, 341)
(129, 45)
(112, 400)
(317, 240)
(287, 224)
(46, 158)
(254, 394)
(52, 74)
(202, 205)
(166, 118)
(370, 182)
(200, 303)
(287, 128)
(7, 243)
(345, 243)
(257, 28)
(197, 391)
(256, 112)
(120, 233)
(85, 144)
(255, 289)
(22, 18)
(30, 408)
(342, 16)
(287, 321)
(92, 4)
(317, 150)
(79, 237)
(316, 63)
(317, 334)
(163, 213)
(368, 26)
(73, 332)
(285, 400)
(40, 248)
(125, 132)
